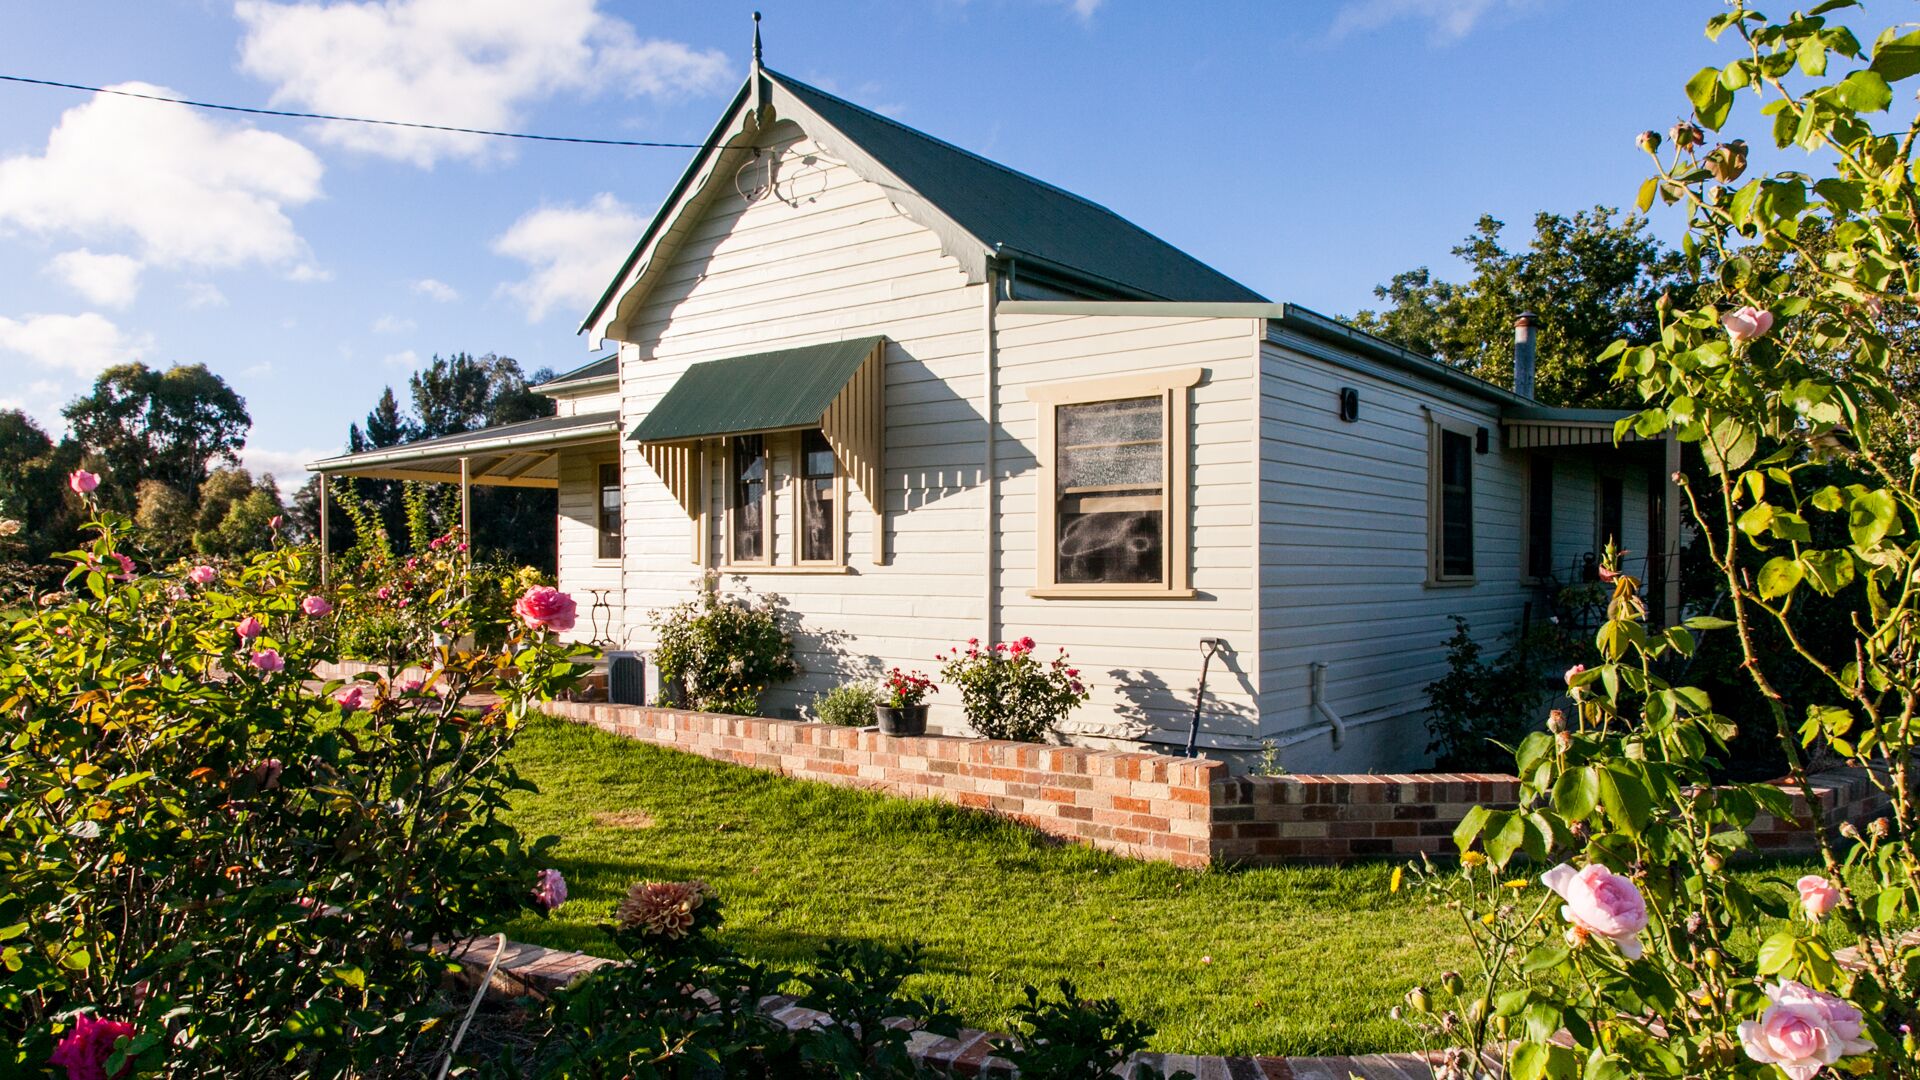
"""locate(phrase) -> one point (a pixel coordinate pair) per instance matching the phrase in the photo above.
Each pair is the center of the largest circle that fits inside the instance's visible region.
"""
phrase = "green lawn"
(1288, 960)
(1295, 960)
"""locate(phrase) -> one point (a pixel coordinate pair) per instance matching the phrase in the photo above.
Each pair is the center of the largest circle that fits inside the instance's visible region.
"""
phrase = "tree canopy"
(173, 426)
(1592, 278)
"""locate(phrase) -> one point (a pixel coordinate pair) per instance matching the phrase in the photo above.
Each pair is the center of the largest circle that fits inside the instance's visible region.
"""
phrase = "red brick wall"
(1187, 812)
(1144, 805)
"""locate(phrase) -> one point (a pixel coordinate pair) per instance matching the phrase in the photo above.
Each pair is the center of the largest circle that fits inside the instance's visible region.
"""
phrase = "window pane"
(1456, 504)
(749, 498)
(1110, 483)
(609, 512)
(1540, 518)
(1613, 511)
(817, 512)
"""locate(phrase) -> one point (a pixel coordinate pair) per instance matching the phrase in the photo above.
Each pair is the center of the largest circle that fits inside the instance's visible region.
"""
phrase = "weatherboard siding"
(1141, 656)
(830, 259)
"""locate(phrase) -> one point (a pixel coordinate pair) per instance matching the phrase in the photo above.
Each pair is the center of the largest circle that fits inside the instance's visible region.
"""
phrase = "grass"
(1293, 960)
(1281, 960)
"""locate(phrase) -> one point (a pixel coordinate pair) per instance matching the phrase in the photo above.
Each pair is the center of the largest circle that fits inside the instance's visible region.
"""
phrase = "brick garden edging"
(1189, 812)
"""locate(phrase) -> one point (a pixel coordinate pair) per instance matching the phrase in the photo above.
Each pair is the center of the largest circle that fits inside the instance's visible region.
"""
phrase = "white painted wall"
(581, 570)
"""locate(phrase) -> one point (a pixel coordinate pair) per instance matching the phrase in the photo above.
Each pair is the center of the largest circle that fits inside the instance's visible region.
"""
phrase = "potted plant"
(900, 706)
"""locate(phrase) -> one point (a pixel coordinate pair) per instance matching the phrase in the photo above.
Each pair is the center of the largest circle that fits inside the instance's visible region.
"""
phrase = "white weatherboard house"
(925, 398)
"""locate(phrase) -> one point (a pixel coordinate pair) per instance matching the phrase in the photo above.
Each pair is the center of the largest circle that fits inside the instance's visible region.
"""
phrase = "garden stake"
(1208, 647)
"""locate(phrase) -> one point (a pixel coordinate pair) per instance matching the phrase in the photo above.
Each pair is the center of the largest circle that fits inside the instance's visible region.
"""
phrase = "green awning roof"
(761, 392)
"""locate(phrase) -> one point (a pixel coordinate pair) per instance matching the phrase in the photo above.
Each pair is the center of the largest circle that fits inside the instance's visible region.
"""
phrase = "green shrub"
(1008, 693)
(848, 705)
(719, 655)
(1480, 709)
(198, 845)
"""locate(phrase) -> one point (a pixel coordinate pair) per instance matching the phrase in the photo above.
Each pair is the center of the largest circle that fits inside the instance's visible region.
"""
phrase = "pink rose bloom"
(126, 566)
(549, 890)
(384, 592)
(87, 1047)
(315, 606)
(1802, 1031)
(202, 575)
(1747, 323)
(1575, 672)
(410, 685)
(274, 522)
(350, 699)
(1817, 895)
(267, 773)
(544, 607)
(268, 660)
(83, 482)
(1026, 643)
(249, 628)
(1601, 903)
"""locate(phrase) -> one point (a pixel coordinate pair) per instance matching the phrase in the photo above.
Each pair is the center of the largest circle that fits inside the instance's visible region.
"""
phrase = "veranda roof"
(508, 455)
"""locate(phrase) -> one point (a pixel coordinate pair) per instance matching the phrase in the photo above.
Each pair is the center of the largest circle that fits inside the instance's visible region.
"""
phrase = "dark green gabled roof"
(760, 392)
(604, 368)
(1020, 216)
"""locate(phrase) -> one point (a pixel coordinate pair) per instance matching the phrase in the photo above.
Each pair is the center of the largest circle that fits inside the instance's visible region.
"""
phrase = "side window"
(609, 518)
(1114, 490)
(1450, 504)
(1613, 513)
(1539, 516)
(747, 499)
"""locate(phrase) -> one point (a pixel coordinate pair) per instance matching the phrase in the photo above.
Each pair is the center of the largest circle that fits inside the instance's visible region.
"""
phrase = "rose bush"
(1009, 693)
(721, 655)
(1793, 377)
(208, 866)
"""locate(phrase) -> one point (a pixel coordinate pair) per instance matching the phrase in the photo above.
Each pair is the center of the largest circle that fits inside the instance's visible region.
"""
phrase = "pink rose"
(384, 592)
(202, 575)
(88, 1046)
(410, 685)
(268, 660)
(315, 606)
(350, 699)
(126, 566)
(1601, 903)
(549, 890)
(249, 628)
(82, 481)
(1574, 673)
(274, 522)
(1803, 1030)
(544, 607)
(1817, 895)
(267, 773)
(1747, 323)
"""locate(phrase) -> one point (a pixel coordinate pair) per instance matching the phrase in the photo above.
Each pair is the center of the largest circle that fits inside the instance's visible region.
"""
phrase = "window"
(1613, 513)
(1450, 503)
(1114, 486)
(609, 518)
(821, 503)
(1539, 516)
(748, 510)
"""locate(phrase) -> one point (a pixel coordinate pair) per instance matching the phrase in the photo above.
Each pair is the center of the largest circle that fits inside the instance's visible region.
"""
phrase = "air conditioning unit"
(626, 678)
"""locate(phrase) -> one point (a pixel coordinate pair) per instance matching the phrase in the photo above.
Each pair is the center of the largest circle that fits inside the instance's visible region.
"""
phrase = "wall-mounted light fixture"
(1349, 404)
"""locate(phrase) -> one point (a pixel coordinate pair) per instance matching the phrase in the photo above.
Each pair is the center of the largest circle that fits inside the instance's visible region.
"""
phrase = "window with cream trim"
(1450, 502)
(819, 521)
(1114, 489)
(749, 500)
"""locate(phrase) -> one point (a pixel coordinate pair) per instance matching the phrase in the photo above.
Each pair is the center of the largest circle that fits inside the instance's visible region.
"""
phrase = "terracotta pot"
(905, 720)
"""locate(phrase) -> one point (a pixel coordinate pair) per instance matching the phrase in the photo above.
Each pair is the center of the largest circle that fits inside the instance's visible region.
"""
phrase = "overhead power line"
(352, 119)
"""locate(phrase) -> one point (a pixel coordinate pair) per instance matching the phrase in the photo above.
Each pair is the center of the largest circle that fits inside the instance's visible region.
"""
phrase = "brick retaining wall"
(1184, 811)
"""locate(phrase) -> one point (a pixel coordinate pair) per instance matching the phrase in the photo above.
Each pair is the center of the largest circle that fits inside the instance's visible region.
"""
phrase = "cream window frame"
(796, 483)
(1174, 388)
(599, 510)
(1439, 425)
(768, 490)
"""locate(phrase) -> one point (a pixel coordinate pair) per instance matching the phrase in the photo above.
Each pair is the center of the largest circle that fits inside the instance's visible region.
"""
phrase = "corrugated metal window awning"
(839, 387)
(1542, 428)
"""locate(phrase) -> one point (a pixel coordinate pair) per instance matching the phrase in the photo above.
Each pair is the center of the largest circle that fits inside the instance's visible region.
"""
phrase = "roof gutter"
(1315, 325)
(574, 386)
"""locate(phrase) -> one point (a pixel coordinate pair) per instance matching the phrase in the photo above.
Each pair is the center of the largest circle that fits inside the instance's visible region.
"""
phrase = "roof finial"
(756, 41)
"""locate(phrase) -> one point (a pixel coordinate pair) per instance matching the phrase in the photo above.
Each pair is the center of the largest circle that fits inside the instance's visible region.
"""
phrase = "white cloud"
(453, 62)
(255, 371)
(1450, 20)
(1085, 8)
(393, 324)
(111, 280)
(288, 467)
(573, 251)
(405, 358)
(189, 191)
(201, 294)
(41, 400)
(83, 344)
(436, 290)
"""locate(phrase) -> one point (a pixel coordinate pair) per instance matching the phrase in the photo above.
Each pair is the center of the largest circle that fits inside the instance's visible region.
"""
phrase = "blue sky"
(1309, 148)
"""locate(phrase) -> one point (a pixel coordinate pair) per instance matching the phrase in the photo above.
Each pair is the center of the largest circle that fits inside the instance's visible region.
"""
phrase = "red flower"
(87, 1047)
